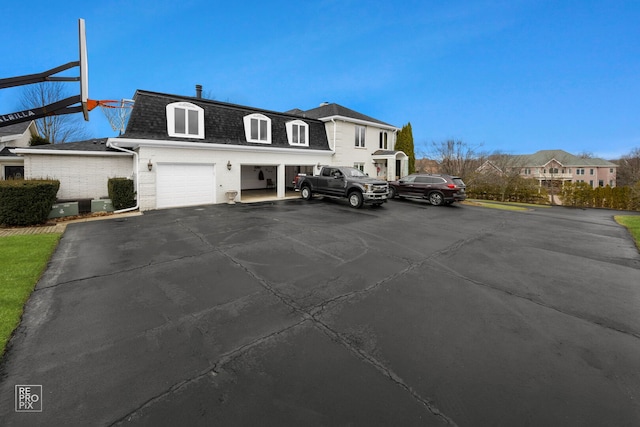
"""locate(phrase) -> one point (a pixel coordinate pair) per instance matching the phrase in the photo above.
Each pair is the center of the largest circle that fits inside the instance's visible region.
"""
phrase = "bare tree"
(456, 157)
(501, 171)
(59, 128)
(629, 169)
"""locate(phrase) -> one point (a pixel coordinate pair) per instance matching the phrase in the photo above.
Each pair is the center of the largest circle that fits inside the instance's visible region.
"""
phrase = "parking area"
(314, 313)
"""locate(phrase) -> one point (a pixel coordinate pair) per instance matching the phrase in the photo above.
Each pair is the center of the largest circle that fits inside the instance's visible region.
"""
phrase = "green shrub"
(121, 193)
(26, 202)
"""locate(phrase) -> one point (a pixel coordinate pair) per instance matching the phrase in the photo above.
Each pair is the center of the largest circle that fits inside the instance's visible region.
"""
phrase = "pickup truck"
(343, 181)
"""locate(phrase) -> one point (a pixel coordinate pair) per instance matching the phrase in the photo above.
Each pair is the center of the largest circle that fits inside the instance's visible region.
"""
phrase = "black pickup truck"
(343, 181)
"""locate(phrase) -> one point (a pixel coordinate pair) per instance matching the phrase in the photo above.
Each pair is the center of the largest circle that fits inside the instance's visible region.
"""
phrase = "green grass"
(24, 259)
(633, 225)
(507, 206)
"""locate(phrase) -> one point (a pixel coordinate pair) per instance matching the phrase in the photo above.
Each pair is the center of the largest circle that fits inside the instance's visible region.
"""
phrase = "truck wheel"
(392, 193)
(355, 199)
(436, 199)
(306, 193)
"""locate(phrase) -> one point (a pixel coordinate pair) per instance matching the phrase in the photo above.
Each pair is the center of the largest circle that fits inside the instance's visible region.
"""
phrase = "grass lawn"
(24, 259)
(507, 206)
(633, 225)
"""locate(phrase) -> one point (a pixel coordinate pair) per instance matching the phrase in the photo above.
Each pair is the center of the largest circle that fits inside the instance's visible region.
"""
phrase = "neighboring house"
(548, 166)
(360, 141)
(187, 151)
(14, 136)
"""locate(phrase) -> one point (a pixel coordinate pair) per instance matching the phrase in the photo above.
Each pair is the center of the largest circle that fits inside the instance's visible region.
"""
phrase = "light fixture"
(150, 165)
(229, 165)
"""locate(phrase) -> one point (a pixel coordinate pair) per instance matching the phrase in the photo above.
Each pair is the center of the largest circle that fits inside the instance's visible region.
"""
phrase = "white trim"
(247, 128)
(135, 143)
(289, 126)
(11, 137)
(65, 152)
(171, 120)
(358, 121)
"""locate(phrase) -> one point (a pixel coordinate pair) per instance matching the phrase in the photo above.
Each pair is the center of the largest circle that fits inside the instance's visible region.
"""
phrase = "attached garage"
(182, 184)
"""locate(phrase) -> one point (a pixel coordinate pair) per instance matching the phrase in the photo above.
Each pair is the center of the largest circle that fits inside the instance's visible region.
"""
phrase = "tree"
(629, 169)
(38, 140)
(404, 143)
(55, 129)
(503, 171)
(456, 158)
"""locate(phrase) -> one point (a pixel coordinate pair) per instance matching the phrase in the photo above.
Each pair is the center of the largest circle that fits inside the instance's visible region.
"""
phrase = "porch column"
(281, 181)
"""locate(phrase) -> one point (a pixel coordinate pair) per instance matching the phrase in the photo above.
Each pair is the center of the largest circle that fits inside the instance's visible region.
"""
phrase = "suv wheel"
(436, 199)
(355, 199)
(392, 193)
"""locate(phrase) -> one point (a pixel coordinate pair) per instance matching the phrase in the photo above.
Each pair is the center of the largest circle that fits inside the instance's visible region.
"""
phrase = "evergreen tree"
(404, 143)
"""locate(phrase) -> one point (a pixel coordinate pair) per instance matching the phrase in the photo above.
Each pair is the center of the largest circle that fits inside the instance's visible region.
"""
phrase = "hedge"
(121, 193)
(26, 202)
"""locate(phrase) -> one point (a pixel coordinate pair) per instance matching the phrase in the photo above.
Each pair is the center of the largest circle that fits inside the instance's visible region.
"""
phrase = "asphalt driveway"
(312, 313)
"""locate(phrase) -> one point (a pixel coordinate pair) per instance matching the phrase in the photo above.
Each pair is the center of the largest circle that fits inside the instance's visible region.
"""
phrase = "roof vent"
(322, 104)
(198, 91)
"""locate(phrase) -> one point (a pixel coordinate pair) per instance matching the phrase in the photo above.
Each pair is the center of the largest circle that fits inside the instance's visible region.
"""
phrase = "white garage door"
(180, 184)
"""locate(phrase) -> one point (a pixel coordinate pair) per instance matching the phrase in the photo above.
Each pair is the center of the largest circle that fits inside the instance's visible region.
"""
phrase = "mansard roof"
(223, 122)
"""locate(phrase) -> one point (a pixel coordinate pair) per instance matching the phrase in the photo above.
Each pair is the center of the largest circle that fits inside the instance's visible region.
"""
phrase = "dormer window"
(185, 120)
(257, 128)
(298, 133)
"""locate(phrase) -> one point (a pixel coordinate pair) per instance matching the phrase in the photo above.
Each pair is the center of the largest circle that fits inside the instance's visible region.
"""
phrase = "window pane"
(254, 128)
(303, 132)
(296, 130)
(180, 120)
(263, 130)
(193, 122)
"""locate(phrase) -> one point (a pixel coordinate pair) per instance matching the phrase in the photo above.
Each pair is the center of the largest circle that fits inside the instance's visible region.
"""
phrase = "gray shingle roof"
(543, 157)
(95, 144)
(333, 109)
(15, 129)
(223, 122)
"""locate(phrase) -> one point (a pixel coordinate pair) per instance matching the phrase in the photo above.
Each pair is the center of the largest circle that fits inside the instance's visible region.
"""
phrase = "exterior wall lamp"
(229, 165)
(149, 165)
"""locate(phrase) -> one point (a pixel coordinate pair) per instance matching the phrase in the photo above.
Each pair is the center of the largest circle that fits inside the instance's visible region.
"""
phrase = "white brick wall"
(80, 177)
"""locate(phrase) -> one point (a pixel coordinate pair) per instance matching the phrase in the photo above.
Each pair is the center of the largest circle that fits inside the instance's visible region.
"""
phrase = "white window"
(298, 133)
(360, 132)
(359, 166)
(185, 120)
(257, 128)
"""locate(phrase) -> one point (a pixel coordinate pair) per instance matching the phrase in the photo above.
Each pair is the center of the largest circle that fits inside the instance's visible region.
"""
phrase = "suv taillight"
(452, 186)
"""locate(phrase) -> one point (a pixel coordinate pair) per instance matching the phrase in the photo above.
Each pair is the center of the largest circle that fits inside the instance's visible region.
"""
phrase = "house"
(187, 151)
(556, 166)
(14, 136)
(361, 141)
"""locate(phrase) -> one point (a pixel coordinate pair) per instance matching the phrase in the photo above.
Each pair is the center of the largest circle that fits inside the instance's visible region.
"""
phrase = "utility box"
(101, 205)
(60, 210)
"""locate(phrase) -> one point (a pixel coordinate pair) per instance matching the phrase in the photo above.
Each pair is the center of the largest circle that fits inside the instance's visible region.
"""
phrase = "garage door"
(179, 184)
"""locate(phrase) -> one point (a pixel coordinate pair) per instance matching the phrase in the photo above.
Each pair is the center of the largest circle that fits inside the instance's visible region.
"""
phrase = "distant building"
(558, 165)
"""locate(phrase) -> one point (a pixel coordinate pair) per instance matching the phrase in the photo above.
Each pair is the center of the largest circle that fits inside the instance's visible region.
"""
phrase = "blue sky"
(515, 76)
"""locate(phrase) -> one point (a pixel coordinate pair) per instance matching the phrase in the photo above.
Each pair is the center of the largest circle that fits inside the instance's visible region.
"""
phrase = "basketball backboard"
(84, 68)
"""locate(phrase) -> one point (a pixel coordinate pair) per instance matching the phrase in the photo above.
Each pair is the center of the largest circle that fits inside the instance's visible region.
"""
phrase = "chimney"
(198, 91)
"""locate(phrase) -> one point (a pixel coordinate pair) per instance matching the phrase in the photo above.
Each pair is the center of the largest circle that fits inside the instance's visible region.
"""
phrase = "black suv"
(439, 189)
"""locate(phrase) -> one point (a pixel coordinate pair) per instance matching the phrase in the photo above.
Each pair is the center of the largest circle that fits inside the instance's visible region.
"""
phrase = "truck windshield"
(353, 172)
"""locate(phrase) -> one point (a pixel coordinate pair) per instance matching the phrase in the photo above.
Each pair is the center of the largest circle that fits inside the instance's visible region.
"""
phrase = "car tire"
(436, 198)
(355, 199)
(392, 193)
(306, 193)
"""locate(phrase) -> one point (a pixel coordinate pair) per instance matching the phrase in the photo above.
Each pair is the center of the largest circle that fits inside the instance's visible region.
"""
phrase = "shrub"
(121, 193)
(26, 202)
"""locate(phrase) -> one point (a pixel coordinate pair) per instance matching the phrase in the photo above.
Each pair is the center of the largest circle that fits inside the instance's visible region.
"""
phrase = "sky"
(513, 76)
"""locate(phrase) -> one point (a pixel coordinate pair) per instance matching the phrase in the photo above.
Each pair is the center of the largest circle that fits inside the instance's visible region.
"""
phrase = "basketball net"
(117, 112)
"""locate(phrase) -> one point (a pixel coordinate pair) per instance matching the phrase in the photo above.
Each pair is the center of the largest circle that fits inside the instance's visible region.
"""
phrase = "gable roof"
(94, 144)
(326, 111)
(542, 157)
(223, 122)
(14, 129)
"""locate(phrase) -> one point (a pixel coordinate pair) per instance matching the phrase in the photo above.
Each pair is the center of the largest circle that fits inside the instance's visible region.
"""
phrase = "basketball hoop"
(117, 112)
